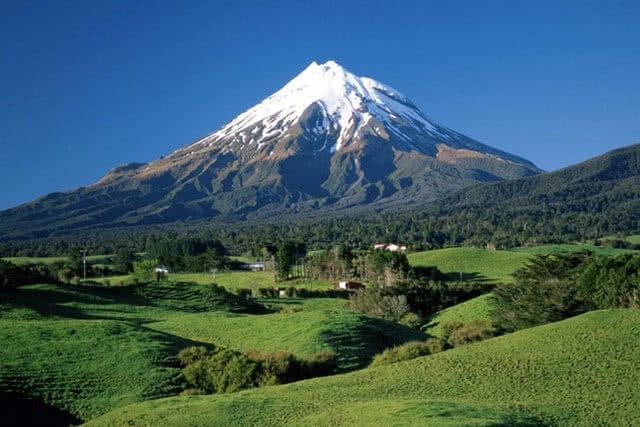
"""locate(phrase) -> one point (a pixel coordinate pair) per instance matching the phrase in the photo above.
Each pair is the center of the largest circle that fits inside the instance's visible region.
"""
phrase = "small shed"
(349, 285)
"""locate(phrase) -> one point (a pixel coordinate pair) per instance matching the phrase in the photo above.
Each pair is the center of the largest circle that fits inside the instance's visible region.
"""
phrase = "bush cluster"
(408, 351)
(554, 287)
(244, 292)
(421, 299)
(455, 335)
(460, 333)
(221, 370)
(12, 275)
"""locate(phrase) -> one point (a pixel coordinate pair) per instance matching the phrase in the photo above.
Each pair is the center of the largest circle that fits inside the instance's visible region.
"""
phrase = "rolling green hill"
(581, 371)
(320, 324)
(496, 265)
(89, 349)
(87, 367)
(473, 309)
(474, 263)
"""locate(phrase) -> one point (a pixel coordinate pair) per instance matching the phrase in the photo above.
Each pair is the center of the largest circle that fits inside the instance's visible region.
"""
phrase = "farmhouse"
(349, 285)
(392, 247)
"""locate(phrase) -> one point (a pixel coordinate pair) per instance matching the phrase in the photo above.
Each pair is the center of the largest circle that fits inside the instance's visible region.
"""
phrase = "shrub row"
(421, 299)
(12, 276)
(221, 370)
(293, 292)
(554, 287)
(408, 351)
(455, 334)
(458, 333)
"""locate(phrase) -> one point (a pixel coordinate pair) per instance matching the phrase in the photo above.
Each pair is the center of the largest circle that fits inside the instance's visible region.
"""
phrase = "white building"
(392, 247)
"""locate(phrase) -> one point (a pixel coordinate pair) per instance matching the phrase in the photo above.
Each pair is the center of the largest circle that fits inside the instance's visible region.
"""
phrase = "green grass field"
(634, 239)
(89, 349)
(474, 263)
(92, 259)
(321, 324)
(478, 308)
(495, 266)
(581, 371)
(87, 367)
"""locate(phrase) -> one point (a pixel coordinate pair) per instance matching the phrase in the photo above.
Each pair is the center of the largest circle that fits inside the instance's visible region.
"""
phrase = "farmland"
(572, 372)
(87, 349)
(496, 265)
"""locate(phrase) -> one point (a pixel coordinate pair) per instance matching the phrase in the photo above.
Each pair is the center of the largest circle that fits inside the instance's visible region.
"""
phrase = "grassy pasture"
(474, 263)
(473, 309)
(87, 367)
(91, 259)
(320, 324)
(581, 371)
(495, 266)
(634, 239)
(89, 349)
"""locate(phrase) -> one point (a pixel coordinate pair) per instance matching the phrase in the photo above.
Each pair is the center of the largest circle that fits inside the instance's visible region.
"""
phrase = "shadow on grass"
(493, 417)
(462, 414)
(466, 277)
(20, 410)
(356, 346)
(125, 303)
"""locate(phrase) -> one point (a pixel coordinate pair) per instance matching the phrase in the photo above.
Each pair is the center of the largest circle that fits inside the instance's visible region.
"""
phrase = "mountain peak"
(330, 64)
(347, 109)
(348, 102)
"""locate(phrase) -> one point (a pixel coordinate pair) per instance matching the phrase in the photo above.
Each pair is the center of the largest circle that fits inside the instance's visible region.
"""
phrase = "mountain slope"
(328, 139)
(589, 200)
(581, 371)
(615, 171)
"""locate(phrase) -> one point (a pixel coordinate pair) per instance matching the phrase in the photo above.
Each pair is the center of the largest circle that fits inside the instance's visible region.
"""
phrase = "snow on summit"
(348, 103)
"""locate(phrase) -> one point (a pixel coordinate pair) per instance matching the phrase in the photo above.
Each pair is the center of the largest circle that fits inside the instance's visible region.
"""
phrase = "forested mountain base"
(597, 198)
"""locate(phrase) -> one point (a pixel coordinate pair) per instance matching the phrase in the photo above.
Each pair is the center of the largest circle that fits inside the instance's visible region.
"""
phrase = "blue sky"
(87, 86)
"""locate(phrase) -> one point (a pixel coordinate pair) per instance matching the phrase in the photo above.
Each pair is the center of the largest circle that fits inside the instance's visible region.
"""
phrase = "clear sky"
(86, 86)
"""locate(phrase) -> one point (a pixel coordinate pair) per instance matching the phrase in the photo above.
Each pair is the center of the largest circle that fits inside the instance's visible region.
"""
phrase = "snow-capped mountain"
(348, 104)
(347, 107)
(328, 139)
